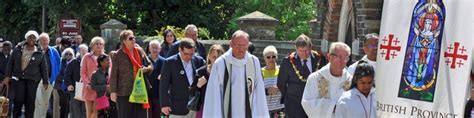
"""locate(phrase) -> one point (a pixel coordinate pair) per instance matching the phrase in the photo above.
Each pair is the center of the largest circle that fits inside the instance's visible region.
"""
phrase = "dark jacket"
(153, 77)
(165, 49)
(60, 79)
(3, 61)
(99, 82)
(122, 76)
(201, 50)
(72, 73)
(174, 80)
(36, 70)
(291, 87)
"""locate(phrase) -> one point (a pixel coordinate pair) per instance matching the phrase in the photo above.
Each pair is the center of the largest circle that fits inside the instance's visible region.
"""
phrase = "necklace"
(291, 56)
(292, 61)
(367, 115)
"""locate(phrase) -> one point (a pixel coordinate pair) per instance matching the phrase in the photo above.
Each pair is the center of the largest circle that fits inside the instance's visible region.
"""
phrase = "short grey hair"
(70, 50)
(191, 27)
(239, 33)
(156, 42)
(83, 46)
(371, 36)
(270, 49)
(339, 45)
(44, 35)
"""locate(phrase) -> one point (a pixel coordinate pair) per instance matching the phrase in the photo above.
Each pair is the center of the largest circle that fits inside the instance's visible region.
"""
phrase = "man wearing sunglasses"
(294, 71)
(370, 50)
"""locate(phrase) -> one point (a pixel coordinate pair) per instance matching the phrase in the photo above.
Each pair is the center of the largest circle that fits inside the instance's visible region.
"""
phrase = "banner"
(427, 47)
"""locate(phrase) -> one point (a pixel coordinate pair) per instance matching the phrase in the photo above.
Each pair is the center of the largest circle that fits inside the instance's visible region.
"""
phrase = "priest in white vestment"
(243, 95)
(370, 50)
(360, 100)
(325, 86)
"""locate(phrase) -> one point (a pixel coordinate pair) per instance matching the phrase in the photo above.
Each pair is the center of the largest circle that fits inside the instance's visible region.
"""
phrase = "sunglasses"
(269, 57)
(371, 46)
(131, 38)
(68, 54)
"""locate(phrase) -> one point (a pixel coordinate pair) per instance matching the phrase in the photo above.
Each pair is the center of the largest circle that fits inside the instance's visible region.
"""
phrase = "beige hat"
(31, 32)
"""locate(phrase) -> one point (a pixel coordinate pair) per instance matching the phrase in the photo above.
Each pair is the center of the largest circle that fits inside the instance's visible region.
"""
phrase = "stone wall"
(283, 47)
(368, 15)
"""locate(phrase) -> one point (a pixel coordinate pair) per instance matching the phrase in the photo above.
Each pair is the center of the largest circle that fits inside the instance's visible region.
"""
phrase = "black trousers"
(63, 103)
(126, 109)
(25, 94)
(468, 108)
(155, 111)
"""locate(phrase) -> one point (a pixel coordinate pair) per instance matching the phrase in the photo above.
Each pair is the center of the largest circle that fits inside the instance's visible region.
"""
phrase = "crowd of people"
(181, 80)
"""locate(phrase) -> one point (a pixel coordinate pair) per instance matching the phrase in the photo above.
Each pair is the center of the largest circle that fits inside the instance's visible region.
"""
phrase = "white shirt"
(188, 68)
(352, 68)
(354, 104)
(214, 92)
(308, 64)
(316, 105)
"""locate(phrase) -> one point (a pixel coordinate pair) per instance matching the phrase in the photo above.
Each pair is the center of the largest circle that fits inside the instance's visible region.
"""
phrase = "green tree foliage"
(292, 14)
(145, 17)
(17, 18)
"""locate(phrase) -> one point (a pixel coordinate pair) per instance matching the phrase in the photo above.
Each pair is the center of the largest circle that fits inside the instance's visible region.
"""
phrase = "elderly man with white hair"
(154, 47)
(53, 61)
(236, 87)
(27, 67)
(325, 86)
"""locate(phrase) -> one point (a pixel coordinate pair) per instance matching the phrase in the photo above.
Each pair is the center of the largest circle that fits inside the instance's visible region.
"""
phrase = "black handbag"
(193, 103)
(194, 98)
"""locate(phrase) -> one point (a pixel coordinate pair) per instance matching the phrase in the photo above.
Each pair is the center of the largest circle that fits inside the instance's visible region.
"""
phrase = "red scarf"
(137, 64)
(135, 59)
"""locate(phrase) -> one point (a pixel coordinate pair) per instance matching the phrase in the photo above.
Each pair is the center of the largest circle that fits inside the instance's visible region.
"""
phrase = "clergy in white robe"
(352, 67)
(325, 86)
(240, 71)
(353, 104)
(320, 103)
(214, 94)
(370, 50)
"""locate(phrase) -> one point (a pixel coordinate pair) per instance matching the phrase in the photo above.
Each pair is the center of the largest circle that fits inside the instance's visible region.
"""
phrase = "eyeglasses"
(270, 57)
(70, 54)
(344, 58)
(131, 38)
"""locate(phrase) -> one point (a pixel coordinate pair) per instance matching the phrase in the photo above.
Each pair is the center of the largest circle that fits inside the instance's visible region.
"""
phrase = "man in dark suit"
(4, 57)
(294, 71)
(191, 31)
(179, 78)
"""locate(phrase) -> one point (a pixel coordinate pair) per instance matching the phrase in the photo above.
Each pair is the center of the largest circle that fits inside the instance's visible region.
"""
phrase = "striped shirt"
(270, 79)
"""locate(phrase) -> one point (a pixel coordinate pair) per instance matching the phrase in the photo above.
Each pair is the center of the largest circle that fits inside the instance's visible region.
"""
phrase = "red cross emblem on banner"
(390, 48)
(456, 55)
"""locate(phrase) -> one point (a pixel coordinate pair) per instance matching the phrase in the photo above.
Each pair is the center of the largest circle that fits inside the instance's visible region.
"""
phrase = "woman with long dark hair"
(170, 38)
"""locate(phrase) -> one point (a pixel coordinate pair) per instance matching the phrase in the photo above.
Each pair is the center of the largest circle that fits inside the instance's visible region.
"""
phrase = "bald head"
(239, 44)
